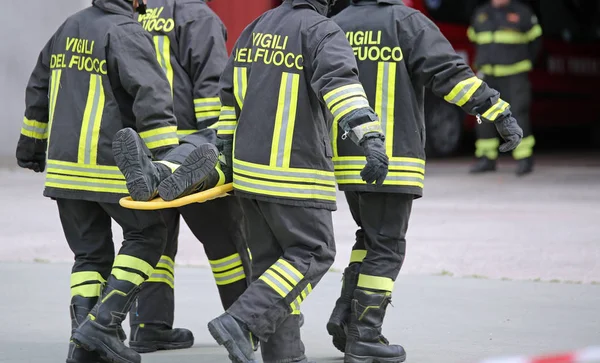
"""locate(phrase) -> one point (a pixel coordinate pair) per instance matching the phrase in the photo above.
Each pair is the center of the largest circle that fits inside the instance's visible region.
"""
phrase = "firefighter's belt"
(159, 203)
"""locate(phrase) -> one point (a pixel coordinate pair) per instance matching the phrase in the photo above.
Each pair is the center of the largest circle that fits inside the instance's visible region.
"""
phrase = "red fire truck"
(565, 82)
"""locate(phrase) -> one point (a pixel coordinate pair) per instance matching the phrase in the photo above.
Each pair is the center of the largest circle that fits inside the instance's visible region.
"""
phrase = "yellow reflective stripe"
(87, 290)
(487, 148)
(132, 277)
(165, 279)
(84, 170)
(279, 189)
(229, 277)
(133, 263)
(504, 36)
(85, 276)
(283, 174)
(525, 148)
(240, 84)
(534, 33)
(183, 133)
(34, 129)
(85, 184)
(462, 92)
(210, 101)
(161, 136)
(503, 70)
(342, 93)
(285, 120)
(295, 305)
(164, 266)
(54, 88)
(384, 101)
(276, 283)
(471, 34)
(225, 263)
(375, 282)
(207, 108)
(290, 271)
(393, 178)
(358, 255)
(395, 163)
(92, 119)
(496, 110)
(162, 43)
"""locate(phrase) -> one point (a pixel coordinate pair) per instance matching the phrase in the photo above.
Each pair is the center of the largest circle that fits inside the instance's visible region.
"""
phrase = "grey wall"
(25, 26)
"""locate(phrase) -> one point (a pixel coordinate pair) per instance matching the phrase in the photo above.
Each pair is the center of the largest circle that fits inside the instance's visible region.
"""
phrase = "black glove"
(510, 131)
(377, 161)
(31, 154)
(225, 147)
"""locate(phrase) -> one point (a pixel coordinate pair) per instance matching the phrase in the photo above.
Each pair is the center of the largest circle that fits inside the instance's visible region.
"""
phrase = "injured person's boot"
(100, 330)
(236, 338)
(200, 171)
(134, 159)
(365, 343)
(146, 338)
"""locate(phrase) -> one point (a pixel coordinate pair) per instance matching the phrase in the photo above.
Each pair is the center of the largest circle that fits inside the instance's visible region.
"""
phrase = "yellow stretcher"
(159, 203)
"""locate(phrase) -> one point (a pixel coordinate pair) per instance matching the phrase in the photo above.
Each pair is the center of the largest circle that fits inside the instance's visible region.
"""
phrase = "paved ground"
(541, 227)
(438, 319)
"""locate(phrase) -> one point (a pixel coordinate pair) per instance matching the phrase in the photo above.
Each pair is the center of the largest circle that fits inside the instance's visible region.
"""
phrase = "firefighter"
(96, 75)
(508, 38)
(399, 53)
(190, 45)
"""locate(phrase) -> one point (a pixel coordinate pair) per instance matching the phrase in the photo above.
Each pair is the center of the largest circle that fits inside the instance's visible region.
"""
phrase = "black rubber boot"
(79, 309)
(340, 316)
(134, 159)
(285, 346)
(147, 338)
(236, 338)
(483, 165)
(195, 174)
(365, 342)
(100, 330)
(524, 166)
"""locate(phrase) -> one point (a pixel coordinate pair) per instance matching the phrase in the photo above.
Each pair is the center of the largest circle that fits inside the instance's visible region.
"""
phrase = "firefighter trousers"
(87, 228)
(515, 90)
(380, 245)
(292, 248)
(219, 226)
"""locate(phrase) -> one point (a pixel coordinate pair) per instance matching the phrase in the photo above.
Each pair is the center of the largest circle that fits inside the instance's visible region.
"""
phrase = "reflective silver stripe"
(384, 97)
(205, 118)
(269, 277)
(227, 128)
(162, 276)
(165, 136)
(360, 101)
(163, 61)
(361, 164)
(290, 275)
(114, 174)
(92, 118)
(230, 113)
(221, 280)
(215, 104)
(121, 188)
(240, 85)
(387, 178)
(37, 130)
(275, 173)
(295, 305)
(306, 191)
(234, 262)
(468, 86)
(339, 94)
(167, 262)
(285, 118)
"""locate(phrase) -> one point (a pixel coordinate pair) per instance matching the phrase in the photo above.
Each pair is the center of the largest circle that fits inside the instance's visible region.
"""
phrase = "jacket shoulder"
(194, 10)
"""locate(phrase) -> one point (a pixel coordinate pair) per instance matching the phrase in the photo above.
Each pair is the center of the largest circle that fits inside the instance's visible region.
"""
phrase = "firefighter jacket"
(507, 39)
(189, 39)
(292, 74)
(399, 53)
(97, 75)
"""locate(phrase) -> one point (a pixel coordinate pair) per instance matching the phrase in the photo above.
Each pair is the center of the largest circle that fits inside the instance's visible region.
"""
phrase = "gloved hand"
(377, 161)
(31, 154)
(510, 131)
(225, 147)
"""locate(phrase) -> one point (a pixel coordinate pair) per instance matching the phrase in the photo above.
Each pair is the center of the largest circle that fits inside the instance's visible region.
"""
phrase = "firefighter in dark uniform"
(96, 75)
(399, 53)
(189, 40)
(508, 38)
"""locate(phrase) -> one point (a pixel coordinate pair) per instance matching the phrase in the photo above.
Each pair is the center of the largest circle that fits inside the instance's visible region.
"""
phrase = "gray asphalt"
(436, 318)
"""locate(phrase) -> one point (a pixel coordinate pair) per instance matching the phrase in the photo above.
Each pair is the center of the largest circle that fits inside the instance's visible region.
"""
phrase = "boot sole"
(126, 151)
(93, 345)
(349, 358)
(193, 171)
(149, 347)
(220, 334)
(338, 335)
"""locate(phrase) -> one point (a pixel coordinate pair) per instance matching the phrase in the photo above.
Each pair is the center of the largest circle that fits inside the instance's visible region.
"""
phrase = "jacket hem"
(415, 191)
(56, 193)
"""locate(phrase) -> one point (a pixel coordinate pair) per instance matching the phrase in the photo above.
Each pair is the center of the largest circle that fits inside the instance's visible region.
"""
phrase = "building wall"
(25, 27)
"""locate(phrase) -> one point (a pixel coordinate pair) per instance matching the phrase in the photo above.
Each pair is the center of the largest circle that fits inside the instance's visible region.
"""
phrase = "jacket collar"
(320, 6)
(122, 7)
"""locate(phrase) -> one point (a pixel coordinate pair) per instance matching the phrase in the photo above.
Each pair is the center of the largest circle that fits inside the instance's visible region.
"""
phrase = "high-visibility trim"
(207, 108)
(53, 97)
(203, 116)
(162, 43)
(85, 183)
(225, 263)
(463, 91)
(92, 119)
(282, 277)
(229, 277)
(227, 121)
(84, 170)
(34, 129)
(295, 305)
(286, 190)
(276, 282)
(342, 93)
(133, 263)
(285, 120)
(487, 148)
(395, 163)
(249, 254)
(240, 84)
(81, 277)
(385, 101)
(504, 36)
(132, 277)
(503, 70)
(288, 271)
(345, 107)
(166, 263)
(284, 174)
(162, 278)
(161, 136)
(358, 255)
(375, 283)
(525, 148)
(87, 290)
(164, 272)
(496, 110)
(183, 133)
(393, 178)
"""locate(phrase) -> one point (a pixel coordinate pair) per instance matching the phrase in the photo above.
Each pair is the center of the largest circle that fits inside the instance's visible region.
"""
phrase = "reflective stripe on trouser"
(525, 148)
(380, 241)
(487, 148)
(292, 248)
